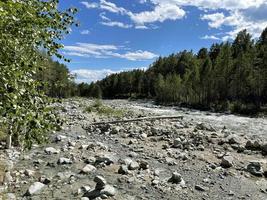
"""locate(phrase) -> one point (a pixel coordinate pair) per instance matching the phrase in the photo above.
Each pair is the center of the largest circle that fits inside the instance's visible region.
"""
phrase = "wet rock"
(255, 168)
(35, 188)
(51, 150)
(227, 161)
(88, 169)
(64, 161)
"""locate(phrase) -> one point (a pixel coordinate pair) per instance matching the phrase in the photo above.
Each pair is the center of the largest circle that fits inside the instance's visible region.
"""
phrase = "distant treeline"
(228, 76)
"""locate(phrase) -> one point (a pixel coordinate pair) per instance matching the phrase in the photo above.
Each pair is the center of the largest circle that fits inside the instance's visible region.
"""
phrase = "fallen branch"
(138, 119)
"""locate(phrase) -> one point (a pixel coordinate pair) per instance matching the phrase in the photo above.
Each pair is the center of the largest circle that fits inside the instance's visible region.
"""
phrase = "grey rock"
(88, 169)
(10, 196)
(29, 173)
(8, 177)
(85, 198)
(134, 165)
(51, 150)
(107, 159)
(59, 138)
(264, 148)
(176, 178)
(177, 143)
(144, 164)
(100, 182)
(35, 188)
(64, 161)
(255, 168)
(227, 161)
(233, 139)
(123, 169)
(108, 190)
(201, 188)
(253, 145)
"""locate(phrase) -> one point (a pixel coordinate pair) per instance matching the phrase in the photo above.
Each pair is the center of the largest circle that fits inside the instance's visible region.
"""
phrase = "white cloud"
(89, 75)
(111, 7)
(210, 37)
(118, 24)
(161, 13)
(215, 19)
(213, 4)
(107, 51)
(92, 75)
(141, 27)
(85, 32)
(89, 5)
(236, 14)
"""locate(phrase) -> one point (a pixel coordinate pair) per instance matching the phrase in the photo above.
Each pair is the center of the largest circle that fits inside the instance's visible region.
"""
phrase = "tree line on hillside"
(226, 76)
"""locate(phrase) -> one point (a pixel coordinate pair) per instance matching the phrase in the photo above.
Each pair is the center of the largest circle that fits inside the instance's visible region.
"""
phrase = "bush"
(101, 109)
(244, 109)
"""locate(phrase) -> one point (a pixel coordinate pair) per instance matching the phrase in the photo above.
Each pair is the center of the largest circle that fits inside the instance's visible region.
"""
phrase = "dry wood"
(138, 119)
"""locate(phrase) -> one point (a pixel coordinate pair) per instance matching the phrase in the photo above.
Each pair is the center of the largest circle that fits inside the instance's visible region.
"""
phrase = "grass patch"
(99, 108)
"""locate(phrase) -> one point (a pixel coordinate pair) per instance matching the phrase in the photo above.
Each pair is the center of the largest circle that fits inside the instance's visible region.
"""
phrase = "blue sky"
(117, 35)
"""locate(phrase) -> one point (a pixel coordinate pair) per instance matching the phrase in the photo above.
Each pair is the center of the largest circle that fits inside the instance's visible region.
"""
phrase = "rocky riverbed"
(199, 156)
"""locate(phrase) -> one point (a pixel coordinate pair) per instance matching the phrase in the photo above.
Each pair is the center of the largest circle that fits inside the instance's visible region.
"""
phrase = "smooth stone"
(35, 188)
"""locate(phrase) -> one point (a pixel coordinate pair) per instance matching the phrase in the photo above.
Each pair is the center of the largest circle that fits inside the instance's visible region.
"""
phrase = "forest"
(230, 76)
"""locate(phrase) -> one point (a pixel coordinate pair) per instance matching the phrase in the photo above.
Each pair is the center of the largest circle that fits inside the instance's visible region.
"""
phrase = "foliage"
(228, 76)
(57, 82)
(101, 109)
(26, 27)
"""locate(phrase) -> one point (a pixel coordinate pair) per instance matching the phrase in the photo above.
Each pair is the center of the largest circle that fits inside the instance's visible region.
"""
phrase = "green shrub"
(101, 109)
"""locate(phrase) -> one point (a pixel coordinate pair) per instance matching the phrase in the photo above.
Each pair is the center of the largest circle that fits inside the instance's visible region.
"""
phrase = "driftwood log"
(137, 120)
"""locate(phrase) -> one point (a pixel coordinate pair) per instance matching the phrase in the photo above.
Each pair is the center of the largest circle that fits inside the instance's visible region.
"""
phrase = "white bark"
(9, 141)
(139, 119)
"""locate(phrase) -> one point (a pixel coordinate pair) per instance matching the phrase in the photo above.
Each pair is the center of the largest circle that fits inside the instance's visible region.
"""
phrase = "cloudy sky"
(117, 35)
